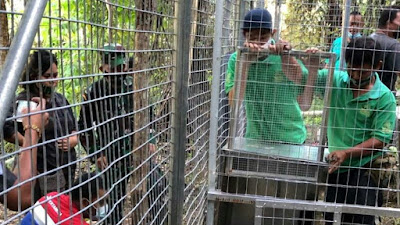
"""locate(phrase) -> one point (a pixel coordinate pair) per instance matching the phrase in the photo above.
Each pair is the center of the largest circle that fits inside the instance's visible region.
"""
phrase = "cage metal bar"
(277, 25)
(182, 26)
(260, 4)
(337, 217)
(325, 111)
(297, 53)
(264, 201)
(236, 102)
(336, 208)
(239, 15)
(258, 215)
(18, 53)
(345, 29)
(213, 139)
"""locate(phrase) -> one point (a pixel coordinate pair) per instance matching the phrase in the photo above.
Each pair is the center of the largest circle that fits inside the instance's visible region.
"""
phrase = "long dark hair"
(39, 62)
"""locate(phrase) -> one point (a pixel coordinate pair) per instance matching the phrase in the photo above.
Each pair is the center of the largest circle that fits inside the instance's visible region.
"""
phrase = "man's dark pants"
(117, 179)
(361, 190)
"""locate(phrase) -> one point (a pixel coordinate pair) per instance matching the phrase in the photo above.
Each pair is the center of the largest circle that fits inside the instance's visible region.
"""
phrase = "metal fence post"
(260, 4)
(18, 54)
(212, 154)
(239, 18)
(277, 19)
(337, 218)
(345, 30)
(182, 27)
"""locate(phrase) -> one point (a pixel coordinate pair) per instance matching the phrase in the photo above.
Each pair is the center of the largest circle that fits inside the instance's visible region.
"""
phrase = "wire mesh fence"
(91, 135)
(259, 159)
(198, 114)
(99, 148)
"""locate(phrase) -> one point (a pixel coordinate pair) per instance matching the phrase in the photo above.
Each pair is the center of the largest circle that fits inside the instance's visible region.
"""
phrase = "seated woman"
(87, 200)
(39, 80)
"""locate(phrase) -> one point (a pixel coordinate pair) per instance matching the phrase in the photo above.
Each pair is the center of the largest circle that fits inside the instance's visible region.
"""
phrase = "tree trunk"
(334, 19)
(144, 22)
(110, 21)
(4, 36)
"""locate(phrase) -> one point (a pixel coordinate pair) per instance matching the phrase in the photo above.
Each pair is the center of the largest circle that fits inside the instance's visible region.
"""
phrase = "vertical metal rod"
(345, 31)
(182, 27)
(337, 218)
(210, 212)
(18, 54)
(216, 68)
(217, 54)
(325, 111)
(239, 19)
(277, 19)
(258, 213)
(236, 101)
(260, 4)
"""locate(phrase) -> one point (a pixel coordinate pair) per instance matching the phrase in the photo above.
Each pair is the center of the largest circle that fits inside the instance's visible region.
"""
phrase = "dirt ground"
(4, 216)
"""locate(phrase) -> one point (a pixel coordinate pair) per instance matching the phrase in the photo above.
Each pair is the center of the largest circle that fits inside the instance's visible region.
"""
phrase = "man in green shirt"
(356, 24)
(272, 87)
(361, 121)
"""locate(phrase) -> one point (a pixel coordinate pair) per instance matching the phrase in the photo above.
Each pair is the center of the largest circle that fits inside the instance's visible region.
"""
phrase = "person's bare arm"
(336, 158)
(292, 69)
(306, 98)
(28, 158)
(290, 66)
(312, 64)
(231, 96)
(68, 143)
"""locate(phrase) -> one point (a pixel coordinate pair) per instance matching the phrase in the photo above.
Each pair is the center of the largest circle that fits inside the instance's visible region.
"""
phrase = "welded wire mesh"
(109, 113)
(198, 126)
(260, 161)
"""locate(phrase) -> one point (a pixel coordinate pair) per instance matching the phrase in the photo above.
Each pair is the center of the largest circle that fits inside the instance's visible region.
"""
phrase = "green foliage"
(9, 147)
(315, 23)
(77, 30)
(318, 104)
(74, 43)
(313, 120)
(304, 24)
(371, 10)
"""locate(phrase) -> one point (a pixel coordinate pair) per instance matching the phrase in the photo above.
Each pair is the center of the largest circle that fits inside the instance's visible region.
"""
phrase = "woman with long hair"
(56, 154)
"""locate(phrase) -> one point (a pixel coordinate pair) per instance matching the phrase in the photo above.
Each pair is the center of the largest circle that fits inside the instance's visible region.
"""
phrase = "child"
(273, 87)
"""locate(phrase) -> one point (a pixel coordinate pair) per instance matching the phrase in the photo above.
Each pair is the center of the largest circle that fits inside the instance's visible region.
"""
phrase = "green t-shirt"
(272, 110)
(355, 120)
(337, 49)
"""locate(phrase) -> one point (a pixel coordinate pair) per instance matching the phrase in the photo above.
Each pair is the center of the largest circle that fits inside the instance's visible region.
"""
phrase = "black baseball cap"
(257, 19)
(114, 55)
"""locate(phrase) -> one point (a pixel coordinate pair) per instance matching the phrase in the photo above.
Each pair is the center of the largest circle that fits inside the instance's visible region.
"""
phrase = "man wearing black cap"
(107, 118)
(275, 86)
